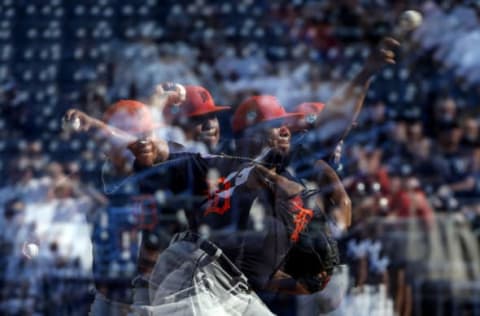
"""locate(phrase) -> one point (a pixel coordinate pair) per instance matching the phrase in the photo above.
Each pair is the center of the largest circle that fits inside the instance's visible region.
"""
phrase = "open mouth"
(145, 149)
(283, 142)
(211, 130)
(210, 133)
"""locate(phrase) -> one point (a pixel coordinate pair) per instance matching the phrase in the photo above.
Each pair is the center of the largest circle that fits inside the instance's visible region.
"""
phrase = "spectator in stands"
(371, 178)
(453, 164)
(445, 110)
(397, 139)
(406, 198)
(471, 132)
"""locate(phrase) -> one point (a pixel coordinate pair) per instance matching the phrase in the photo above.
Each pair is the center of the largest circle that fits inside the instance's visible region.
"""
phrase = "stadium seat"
(79, 10)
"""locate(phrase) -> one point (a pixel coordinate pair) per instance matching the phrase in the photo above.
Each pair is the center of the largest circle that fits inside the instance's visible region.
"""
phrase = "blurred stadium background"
(411, 165)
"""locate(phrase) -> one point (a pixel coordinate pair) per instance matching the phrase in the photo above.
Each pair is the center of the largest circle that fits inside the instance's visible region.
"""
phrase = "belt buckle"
(242, 284)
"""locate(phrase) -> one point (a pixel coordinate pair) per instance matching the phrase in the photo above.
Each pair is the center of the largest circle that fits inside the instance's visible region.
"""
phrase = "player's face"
(206, 129)
(279, 138)
(144, 149)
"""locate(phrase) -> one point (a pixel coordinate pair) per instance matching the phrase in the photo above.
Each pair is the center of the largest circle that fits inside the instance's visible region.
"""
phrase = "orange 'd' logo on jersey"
(302, 216)
(219, 200)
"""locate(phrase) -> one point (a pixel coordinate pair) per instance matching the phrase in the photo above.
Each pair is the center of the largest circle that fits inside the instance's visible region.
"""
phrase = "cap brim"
(209, 111)
(282, 119)
(293, 114)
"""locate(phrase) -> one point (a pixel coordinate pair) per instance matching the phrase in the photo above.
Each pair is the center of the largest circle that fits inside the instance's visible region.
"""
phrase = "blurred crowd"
(411, 164)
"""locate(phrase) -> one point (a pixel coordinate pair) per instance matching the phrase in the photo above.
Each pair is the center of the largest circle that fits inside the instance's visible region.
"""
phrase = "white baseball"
(182, 91)
(30, 250)
(71, 125)
(410, 20)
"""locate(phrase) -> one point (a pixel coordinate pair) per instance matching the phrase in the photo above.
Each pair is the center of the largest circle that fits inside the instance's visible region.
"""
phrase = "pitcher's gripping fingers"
(174, 93)
(79, 120)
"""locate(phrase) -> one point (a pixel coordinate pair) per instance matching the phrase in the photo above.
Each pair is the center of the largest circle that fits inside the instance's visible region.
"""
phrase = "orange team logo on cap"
(205, 97)
(259, 109)
(130, 116)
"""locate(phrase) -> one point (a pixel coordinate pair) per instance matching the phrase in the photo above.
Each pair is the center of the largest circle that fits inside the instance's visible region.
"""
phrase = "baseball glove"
(312, 259)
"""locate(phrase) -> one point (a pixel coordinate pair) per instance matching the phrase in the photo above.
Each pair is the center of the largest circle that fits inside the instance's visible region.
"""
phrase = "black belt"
(212, 250)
